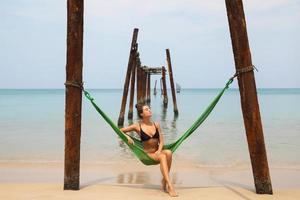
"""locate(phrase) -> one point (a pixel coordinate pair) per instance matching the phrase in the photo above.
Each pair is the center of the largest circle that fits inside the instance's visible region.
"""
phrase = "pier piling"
(128, 74)
(171, 81)
(165, 94)
(248, 95)
(73, 94)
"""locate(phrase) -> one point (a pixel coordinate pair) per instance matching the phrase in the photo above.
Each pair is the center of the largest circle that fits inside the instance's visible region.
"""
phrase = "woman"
(153, 142)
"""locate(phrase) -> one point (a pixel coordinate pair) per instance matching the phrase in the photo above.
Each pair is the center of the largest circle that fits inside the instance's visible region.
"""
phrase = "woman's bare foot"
(164, 184)
(170, 190)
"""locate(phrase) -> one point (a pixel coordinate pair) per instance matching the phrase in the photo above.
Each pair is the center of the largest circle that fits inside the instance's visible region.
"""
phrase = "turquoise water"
(32, 127)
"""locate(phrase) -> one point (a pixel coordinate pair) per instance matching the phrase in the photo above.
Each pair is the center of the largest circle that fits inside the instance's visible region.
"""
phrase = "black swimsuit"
(146, 137)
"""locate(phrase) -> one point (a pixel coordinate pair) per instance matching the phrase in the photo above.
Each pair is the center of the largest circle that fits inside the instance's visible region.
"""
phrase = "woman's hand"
(158, 152)
(130, 141)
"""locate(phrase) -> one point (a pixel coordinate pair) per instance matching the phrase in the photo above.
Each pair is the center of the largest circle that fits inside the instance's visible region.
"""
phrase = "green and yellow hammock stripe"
(137, 147)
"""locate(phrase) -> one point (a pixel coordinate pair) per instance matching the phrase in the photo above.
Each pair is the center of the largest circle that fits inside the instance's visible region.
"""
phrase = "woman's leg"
(168, 154)
(162, 158)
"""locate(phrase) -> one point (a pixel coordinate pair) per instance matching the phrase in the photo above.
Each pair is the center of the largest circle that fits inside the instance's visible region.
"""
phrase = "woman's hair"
(139, 108)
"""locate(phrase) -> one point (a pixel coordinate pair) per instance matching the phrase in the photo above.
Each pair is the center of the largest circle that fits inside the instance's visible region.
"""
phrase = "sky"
(33, 41)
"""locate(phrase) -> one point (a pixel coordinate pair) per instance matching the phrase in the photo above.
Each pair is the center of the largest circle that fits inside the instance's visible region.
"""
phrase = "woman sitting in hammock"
(153, 141)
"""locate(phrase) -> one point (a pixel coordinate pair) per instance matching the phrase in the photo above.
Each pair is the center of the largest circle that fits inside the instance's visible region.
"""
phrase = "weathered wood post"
(73, 94)
(161, 87)
(139, 78)
(148, 88)
(130, 112)
(165, 94)
(154, 91)
(127, 79)
(171, 81)
(144, 84)
(248, 94)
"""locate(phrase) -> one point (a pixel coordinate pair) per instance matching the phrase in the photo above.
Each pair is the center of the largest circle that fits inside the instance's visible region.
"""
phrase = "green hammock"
(137, 147)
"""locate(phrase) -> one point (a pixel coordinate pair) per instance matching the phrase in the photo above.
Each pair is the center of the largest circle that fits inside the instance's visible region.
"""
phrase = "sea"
(32, 127)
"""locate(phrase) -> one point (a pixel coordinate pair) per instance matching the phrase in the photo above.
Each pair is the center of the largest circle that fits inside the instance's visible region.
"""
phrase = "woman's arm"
(130, 128)
(161, 138)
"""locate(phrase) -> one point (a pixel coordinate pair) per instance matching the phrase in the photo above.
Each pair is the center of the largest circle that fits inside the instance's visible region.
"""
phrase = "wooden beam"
(248, 95)
(161, 87)
(153, 70)
(154, 90)
(73, 94)
(148, 95)
(144, 85)
(132, 84)
(133, 49)
(139, 78)
(165, 94)
(171, 81)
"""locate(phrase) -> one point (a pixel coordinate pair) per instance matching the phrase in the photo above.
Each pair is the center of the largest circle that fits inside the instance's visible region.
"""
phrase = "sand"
(98, 191)
(44, 180)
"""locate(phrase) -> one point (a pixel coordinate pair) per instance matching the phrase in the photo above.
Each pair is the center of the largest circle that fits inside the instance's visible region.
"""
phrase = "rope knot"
(245, 70)
(75, 84)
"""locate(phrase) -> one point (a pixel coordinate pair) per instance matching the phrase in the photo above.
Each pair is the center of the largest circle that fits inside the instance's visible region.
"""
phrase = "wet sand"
(44, 180)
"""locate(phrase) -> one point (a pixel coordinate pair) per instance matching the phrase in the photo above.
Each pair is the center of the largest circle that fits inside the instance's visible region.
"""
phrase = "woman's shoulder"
(137, 126)
(134, 126)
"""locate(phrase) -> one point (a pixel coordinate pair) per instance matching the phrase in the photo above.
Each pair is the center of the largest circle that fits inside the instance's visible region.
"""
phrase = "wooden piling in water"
(132, 88)
(128, 74)
(139, 78)
(161, 87)
(73, 94)
(144, 85)
(248, 94)
(165, 94)
(154, 90)
(148, 88)
(171, 81)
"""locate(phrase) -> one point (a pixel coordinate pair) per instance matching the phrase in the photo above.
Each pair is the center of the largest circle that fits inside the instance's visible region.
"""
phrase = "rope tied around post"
(74, 84)
(243, 70)
(80, 86)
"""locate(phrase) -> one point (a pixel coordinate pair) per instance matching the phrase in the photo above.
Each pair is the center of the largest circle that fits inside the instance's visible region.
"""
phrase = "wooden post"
(161, 87)
(248, 94)
(154, 91)
(139, 78)
(171, 81)
(148, 88)
(165, 101)
(73, 94)
(144, 85)
(127, 79)
(130, 112)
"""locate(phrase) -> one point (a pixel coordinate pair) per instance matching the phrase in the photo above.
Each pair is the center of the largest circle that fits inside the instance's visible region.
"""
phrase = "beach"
(231, 126)
(24, 180)
(213, 163)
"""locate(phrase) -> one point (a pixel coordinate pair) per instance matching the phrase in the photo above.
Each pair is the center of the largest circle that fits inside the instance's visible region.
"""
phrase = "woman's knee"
(168, 153)
(162, 156)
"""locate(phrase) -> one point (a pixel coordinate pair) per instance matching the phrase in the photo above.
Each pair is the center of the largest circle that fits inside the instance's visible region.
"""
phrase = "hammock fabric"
(137, 147)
